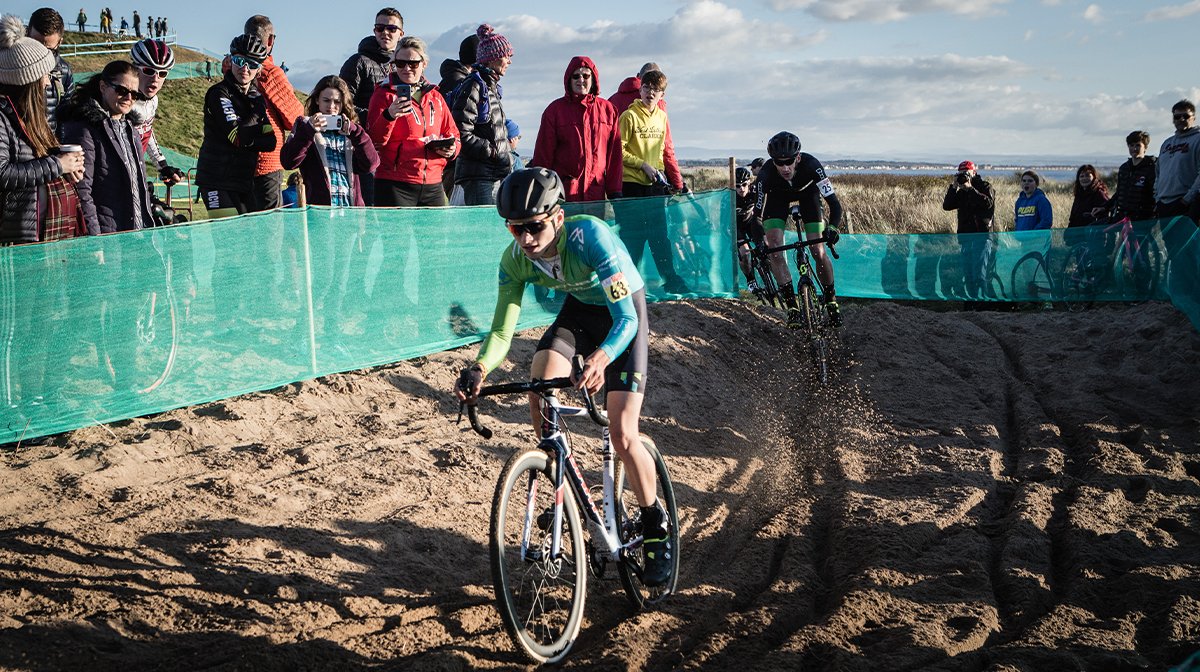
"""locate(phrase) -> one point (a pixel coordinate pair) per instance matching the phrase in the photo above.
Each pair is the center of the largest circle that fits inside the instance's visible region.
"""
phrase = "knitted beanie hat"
(23, 60)
(492, 45)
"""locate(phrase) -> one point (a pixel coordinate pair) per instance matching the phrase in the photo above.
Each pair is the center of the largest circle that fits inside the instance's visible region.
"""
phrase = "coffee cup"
(69, 149)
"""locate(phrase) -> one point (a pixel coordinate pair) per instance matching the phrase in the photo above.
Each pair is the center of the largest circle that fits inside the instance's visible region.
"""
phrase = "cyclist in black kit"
(749, 224)
(792, 176)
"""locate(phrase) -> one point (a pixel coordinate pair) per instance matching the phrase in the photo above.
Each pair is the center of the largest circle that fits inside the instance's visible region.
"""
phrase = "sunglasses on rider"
(151, 72)
(121, 91)
(532, 228)
(391, 28)
(243, 62)
(784, 162)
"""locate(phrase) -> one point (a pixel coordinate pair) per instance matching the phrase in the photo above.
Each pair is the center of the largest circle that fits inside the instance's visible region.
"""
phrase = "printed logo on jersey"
(826, 187)
(615, 287)
(576, 237)
(1026, 210)
(227, 108)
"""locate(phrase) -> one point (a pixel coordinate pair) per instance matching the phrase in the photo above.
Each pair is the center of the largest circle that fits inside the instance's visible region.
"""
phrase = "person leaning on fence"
(974, 201)
(1177, 185)
(46, 26)
(331, 161)
(100, 118)
(29, 157)
(1134, 196)
(411, 125)
(1032, 211)
(478, 111)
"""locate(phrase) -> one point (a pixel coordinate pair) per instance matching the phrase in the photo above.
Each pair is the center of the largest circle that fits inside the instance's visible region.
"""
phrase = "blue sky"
(858, 78)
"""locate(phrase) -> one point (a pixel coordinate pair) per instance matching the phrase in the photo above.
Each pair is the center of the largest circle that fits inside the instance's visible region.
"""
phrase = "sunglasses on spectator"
(388, 27)
(532, 228)
(121, 91)
(243, 62)
(151, 72)
(582, 75)
(1184, 116)
(784, 162)
(401, 63)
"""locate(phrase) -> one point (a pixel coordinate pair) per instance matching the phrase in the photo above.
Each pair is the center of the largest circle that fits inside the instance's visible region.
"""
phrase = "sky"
(865, 79)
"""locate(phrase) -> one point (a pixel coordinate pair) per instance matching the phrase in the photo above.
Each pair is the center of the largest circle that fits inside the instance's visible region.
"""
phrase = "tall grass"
(886, 203)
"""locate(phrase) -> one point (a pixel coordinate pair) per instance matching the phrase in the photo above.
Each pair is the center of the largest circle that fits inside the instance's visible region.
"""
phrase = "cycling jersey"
(592, 265)
(774, 195)
(145, 130)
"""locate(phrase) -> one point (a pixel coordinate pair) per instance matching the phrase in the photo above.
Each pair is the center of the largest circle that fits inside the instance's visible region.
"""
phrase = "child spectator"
(331, 161)
(514, 137)
(1032, 210)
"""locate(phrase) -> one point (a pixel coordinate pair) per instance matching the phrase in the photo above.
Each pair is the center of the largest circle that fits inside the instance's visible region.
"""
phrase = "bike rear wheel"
(540, 598)
(629, 522)
(814, 331)
(1031, 279)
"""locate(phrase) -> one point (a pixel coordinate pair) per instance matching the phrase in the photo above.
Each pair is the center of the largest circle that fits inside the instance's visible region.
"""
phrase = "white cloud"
(1171, 12)
(1029, 35)
(883, 11)
(1093, 14)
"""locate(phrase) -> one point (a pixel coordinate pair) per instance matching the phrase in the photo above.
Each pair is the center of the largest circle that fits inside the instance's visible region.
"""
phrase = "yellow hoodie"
(643, 138)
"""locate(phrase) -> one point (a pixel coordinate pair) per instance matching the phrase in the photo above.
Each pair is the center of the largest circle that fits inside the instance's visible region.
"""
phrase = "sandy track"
(981, 491)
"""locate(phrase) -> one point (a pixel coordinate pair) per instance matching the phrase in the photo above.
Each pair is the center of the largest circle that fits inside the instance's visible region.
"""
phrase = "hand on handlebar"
(469, 382)
(832, 235)
(592, 375)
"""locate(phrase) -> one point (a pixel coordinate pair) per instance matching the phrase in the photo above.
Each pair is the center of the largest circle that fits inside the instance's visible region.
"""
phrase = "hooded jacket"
(452, 73)
(485, 153)
(21, 175)
(109, 170)
(1032, 212)
(363, 71)
(646, 136)
(303, 152)
(579, 139)
(403, 154)
(631, 90)
(1178, 167)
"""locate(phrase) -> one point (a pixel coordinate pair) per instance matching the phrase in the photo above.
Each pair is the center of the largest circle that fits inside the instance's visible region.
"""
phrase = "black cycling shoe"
(835, 313)
(656, 547)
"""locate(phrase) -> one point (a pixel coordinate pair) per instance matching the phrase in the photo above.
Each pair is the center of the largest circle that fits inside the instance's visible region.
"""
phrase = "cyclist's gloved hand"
(832, 235)
(469, 382)
(170, 175)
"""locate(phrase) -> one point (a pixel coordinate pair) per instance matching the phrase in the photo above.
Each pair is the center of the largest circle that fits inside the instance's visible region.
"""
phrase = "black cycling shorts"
(580, 328)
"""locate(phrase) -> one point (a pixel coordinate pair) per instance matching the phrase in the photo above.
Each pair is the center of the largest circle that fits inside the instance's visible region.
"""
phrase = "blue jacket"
(1033, 212)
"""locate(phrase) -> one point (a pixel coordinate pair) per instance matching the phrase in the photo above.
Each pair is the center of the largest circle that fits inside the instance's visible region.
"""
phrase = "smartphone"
(333, 122)
(404, 90)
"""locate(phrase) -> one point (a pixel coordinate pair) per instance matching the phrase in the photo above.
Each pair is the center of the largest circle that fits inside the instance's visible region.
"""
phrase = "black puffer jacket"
(59, 90)
(485, 154)
(364, 71)
(236, 129)
(20, 176)
(452, 73)
(112, 170)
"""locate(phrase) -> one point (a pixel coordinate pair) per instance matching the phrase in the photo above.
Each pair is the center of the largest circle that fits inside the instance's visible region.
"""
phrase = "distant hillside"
(97, 62)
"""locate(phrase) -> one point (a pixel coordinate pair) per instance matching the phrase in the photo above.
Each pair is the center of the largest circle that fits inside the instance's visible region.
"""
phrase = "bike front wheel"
(540, 596)
(814, 331)
(629, 522)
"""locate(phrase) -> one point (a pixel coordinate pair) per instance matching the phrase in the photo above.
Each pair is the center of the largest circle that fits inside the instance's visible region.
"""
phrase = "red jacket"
(403, 156)
(579, 139)
(629, 91)
(282, 107)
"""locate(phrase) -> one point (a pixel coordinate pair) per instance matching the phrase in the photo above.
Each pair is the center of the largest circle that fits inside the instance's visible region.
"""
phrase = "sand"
(971, 491)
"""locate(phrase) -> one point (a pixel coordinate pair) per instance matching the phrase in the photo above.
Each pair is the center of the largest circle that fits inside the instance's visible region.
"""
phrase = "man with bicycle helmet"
(749, 224)
(604, 317)
(154, 61)
(791, 176)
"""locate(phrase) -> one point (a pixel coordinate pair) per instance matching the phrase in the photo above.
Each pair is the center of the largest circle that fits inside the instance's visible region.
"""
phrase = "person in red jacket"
(579, 137)
(631, 90)
(412, 126)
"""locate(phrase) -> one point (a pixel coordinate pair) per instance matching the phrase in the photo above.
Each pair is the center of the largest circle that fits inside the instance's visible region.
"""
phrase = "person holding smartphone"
(410, 123)
(329, 147)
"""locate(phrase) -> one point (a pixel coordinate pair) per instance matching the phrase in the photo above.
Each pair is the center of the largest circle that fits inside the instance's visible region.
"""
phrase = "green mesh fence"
(117, 326)
(178, 71)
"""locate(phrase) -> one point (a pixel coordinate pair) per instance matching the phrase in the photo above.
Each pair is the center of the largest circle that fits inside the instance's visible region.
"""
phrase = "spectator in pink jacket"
(579, 137)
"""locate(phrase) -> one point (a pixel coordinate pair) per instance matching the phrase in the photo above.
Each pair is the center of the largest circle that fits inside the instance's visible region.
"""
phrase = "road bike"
(541, 549)
(816, 327)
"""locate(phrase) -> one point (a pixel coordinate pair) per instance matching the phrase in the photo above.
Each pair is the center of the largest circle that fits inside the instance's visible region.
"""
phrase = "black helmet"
(757, 163)
(249, 46)
(529, 192)
(742, 175)
(783, 145)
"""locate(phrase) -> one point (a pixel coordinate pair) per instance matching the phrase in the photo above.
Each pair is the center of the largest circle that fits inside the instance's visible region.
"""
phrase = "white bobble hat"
(23, 60)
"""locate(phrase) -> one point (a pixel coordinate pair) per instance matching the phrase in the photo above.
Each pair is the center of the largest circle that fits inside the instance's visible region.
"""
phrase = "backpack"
(485, 103)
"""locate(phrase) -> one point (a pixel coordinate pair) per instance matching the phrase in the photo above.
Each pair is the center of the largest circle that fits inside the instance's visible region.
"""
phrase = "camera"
(333, 122)
(962, 177)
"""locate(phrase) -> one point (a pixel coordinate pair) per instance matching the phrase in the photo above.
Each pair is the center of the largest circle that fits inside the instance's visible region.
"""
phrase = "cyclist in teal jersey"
(603, 317)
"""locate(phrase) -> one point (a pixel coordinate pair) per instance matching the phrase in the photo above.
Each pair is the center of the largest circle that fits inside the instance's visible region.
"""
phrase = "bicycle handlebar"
(538, 386)
(799, 244)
